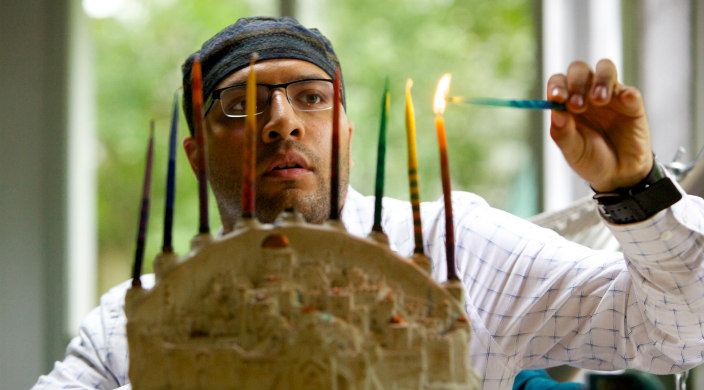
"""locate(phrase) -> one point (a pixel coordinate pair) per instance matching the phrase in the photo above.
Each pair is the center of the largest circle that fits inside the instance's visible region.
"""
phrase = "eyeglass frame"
(215, 95)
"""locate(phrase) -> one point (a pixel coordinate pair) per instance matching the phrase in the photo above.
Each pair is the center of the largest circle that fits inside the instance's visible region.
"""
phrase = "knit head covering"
(231, 49)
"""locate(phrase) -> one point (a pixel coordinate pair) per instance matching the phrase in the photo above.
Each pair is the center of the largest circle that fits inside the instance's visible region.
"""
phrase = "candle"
(439, 107)
(196, 80)
(335, 157)
(250, 142)
(381, 154)
(171, 181)
(529, 104)
(413, 169)
(143, 213)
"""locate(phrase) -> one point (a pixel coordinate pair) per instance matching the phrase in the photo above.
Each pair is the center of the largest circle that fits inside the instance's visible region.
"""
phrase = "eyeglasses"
(303, 95)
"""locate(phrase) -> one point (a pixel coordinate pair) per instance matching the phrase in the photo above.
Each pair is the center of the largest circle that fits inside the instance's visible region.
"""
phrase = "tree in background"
(489, 47)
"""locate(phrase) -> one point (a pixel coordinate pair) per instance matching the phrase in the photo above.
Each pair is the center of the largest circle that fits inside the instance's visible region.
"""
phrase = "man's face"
(293, 150)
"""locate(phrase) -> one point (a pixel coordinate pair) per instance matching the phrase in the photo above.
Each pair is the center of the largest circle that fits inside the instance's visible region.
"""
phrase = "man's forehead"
(275, 71)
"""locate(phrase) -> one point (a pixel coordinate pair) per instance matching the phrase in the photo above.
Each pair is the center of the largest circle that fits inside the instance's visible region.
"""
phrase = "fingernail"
(629, 98)
(577, 100)
(559, 119)
(556, 92)
(600, 93)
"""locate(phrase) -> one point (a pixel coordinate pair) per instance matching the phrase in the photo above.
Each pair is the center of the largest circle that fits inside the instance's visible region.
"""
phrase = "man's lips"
(289, 165)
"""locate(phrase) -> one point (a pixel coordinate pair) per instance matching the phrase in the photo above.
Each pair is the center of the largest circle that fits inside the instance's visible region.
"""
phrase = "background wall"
(33, 128)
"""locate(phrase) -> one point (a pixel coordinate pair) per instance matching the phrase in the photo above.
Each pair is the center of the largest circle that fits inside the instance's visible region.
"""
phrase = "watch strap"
(634, 204)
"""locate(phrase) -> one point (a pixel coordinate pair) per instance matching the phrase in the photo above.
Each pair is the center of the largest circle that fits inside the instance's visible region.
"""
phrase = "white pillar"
(573, 30)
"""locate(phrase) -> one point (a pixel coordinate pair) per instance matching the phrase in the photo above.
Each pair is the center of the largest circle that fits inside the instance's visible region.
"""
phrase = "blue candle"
(171, 181)
(143, 213)
(529, 104)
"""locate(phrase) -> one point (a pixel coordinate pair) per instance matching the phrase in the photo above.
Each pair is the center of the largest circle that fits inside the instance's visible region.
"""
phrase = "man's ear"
(192, 152)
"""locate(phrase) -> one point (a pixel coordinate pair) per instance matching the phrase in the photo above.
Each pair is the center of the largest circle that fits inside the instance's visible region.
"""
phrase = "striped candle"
(528, 104)
(413, 169)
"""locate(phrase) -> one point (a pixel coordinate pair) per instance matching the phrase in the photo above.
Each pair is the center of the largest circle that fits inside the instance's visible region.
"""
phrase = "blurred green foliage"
(488, 46)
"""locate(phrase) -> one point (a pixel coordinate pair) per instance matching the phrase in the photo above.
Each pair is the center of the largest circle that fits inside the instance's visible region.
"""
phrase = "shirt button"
(666, 235)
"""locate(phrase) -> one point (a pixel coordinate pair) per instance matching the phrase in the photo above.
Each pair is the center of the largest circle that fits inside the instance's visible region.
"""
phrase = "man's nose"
(283, 122)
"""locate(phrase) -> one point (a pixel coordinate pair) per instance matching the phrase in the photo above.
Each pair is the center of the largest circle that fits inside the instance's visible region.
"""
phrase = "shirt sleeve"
(97, 357)
(538, 300)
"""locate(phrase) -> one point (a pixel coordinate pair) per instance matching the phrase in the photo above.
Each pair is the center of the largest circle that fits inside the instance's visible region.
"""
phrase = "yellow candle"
(413, 169)
(250, 143)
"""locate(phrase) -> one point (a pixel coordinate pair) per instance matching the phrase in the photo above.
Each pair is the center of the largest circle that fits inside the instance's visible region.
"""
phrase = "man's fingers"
(579, 80)
(557, 88)
(566, 136)
(605, 80)
(628, 101)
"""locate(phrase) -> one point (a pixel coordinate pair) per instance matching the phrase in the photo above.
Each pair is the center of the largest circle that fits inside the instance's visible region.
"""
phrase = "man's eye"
(311, 99)
(236, 106)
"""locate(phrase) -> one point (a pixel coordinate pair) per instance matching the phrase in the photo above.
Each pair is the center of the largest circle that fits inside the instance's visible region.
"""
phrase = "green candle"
(379, 188)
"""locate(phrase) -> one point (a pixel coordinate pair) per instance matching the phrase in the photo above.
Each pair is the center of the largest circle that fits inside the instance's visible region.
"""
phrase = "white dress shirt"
(533, 298)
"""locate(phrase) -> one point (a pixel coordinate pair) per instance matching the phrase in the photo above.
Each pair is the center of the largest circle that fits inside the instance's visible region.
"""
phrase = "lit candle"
(143, 213)
(439, 107)
(250, 142)
(413, 169)
(381, 154)
(171, 181)
(335, 157)
(197, 88)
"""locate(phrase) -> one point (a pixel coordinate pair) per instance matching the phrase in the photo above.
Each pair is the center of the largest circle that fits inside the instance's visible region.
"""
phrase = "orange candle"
(197, 98)
(413, 169)
(335, 157)
(250, 143)
(439, 107)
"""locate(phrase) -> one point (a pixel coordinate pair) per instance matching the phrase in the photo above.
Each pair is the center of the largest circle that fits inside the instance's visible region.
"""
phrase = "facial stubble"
(314, 206)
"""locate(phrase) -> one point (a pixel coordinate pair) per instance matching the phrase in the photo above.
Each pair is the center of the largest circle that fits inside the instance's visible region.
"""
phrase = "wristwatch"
(635, 204)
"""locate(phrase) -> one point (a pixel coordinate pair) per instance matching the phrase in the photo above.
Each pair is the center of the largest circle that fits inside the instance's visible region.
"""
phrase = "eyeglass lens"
(304, 95)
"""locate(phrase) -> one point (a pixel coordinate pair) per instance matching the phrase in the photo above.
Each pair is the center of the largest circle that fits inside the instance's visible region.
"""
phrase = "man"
(533, 298)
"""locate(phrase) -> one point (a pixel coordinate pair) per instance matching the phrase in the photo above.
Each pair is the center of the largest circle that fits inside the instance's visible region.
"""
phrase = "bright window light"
(102, 8)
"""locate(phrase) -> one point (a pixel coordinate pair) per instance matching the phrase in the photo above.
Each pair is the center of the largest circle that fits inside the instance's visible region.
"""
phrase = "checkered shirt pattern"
(534, 299)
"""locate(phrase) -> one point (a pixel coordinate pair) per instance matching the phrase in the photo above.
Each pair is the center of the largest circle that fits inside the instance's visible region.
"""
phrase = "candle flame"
(441, 93)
